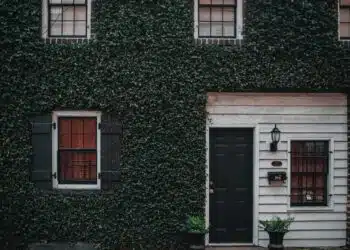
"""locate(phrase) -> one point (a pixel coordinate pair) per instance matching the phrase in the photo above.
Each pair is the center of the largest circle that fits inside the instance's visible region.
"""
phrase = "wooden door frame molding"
(217, 124)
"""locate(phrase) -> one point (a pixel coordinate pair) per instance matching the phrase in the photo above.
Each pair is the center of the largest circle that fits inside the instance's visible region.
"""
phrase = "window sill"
(66, 40)
(219, 41)
(309, 209)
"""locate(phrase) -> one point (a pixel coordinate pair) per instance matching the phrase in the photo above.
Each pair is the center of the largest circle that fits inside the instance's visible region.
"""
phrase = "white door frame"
(217, 124)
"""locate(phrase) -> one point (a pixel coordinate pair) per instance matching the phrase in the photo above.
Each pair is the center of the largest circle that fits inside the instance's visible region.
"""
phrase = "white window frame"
(55, 117)
(339, 38)
(239, 22)
(45, 22)
(330, 181)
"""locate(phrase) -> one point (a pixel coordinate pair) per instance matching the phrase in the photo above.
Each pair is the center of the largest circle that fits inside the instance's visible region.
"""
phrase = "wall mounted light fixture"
(275, 136)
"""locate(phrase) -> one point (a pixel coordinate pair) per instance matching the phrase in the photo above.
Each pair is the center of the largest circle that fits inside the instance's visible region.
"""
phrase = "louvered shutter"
(41, 160)
(111, 132)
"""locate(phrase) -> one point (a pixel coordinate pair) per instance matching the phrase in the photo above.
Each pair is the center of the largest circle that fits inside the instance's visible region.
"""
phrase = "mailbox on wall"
(276, 177)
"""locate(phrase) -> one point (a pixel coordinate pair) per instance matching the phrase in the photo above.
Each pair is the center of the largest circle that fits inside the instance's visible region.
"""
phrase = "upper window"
(218, 18)
(309, 173)
(75, 150)
(66, 18)
(344, 19)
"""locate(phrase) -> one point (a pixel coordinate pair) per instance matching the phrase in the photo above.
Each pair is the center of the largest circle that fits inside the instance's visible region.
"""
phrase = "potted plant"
(276, 228)
(195, 232)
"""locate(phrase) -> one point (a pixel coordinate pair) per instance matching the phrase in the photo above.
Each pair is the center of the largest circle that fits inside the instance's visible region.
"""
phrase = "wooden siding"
(297, 115)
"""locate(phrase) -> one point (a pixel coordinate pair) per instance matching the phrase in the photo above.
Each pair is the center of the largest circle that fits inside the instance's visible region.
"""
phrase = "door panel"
(231, 180)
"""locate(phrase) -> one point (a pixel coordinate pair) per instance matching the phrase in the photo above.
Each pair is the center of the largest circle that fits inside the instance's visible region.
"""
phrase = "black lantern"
(275, 136)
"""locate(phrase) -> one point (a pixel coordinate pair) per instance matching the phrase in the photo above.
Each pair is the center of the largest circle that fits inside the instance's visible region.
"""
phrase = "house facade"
(124, 117)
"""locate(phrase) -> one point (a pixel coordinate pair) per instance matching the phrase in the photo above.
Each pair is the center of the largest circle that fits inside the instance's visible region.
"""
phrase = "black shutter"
(111, 131)
(41, 165)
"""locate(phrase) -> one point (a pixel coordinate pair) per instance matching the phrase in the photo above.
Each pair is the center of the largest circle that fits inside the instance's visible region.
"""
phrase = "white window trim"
(340, 39)
(239, 24)
(55, 117)
(330, 181)
(45, 22)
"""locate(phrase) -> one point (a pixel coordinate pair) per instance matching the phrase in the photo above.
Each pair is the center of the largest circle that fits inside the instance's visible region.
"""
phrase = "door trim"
(209, 124)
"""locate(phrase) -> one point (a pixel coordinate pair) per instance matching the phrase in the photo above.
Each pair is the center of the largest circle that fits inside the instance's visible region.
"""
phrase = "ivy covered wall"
(145, 67)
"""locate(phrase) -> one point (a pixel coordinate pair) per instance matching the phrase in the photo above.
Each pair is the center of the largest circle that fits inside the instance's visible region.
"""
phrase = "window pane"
(77, 166)
(344, 30)
(204, 29)
(80, 1)
(56, 13)
(77, 133)
(90, 133)
(204, 14)
(344, 2)
(67, 1)
(80, 13)
(345, 15)
(216, 29)
(68, 13)
(228, 29)
(55, 28)
(217, 1)
(55, 1)
(68, 30)
(216, 14)
(80, 28)
(230, 2)
(65, 131)
(204, 1)
(309, 163)
(229, 14)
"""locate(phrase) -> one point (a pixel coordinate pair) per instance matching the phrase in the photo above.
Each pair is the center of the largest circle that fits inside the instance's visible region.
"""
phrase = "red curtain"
(77, 149)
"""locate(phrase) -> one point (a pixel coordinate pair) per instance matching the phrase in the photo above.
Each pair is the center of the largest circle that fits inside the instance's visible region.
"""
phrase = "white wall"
(298, 115)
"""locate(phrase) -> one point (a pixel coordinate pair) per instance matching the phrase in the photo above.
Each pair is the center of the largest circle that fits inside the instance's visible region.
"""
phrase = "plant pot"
(276, 240)
(195, 240)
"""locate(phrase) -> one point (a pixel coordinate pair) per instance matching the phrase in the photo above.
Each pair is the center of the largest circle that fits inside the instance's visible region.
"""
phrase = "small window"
(219, 18)
(344, 19)
(66, 18)
(309, 173)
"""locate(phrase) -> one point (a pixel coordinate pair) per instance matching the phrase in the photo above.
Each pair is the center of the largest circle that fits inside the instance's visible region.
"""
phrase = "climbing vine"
(144, 67)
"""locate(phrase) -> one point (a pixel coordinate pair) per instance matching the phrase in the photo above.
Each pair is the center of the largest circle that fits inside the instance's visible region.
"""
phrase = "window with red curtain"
(309, 173)
(77, 151)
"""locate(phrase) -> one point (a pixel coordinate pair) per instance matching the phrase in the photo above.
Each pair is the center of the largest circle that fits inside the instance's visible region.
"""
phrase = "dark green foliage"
(196, 224)
(143, 67)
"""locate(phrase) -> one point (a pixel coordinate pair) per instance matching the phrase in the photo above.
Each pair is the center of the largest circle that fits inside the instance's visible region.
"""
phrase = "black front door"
(231, 185)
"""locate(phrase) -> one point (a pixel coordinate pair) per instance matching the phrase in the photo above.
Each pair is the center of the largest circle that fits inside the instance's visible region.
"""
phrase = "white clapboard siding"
(282, 146)
(339, 172)
(251, 110)
(321, 242)
(277, 208)
(310, 234)
(283, 199)
(324, 217)
(285, 119)
(305, 128)
(266, 137)
(338, 181)
(306, 116)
